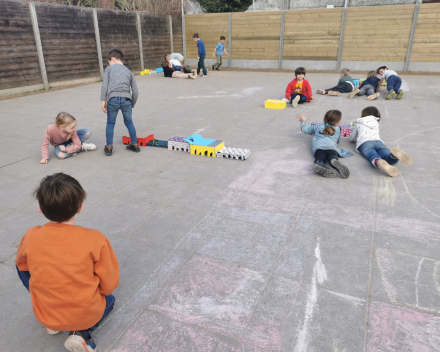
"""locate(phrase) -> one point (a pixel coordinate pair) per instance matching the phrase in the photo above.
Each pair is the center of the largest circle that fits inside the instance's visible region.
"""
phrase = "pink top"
(54, 136)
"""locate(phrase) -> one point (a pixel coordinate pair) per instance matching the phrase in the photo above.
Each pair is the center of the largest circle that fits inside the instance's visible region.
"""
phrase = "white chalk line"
(355, 300)
(319, 275)
(411, 134)
(416, 282)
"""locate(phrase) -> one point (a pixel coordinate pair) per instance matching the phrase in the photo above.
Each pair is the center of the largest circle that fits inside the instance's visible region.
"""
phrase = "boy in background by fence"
(201, 55)
(218, 53)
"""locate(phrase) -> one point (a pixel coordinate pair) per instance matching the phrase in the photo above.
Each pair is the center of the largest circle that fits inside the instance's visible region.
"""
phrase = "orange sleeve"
(21, 259)
(107, 269)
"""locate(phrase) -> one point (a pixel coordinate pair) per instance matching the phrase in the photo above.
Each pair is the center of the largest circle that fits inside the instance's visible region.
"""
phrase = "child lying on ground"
(324, 144)
(367, 87)
(365, 132)
(345, 85)
(168, 71)
(65, 138)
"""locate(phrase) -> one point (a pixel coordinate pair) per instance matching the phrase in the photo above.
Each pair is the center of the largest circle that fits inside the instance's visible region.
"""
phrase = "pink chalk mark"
(395, 328)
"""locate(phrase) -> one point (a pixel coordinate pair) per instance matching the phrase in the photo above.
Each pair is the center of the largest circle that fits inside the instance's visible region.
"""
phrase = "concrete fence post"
(229, 39)
(183, 35)
(98, 43)
(411, 37)
(38, 45)
(170, 19)
(280, 59)
(341, 36)
(141, 49)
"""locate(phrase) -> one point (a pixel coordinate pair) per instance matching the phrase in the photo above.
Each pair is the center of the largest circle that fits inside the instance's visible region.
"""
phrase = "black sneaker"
(133, 147)
(212, 67)
(217, 69)
(323, 171)
(342, 169)
(108, 150)
(80, 341)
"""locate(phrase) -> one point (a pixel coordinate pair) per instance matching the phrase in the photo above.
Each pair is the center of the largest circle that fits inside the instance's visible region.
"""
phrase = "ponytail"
(328, 130)
(331, 118)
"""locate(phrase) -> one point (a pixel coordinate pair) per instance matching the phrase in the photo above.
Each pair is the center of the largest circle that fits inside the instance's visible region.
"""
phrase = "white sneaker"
(204, 76)
(52, 332)
(286, 100)
(295, 101)
(88, 146)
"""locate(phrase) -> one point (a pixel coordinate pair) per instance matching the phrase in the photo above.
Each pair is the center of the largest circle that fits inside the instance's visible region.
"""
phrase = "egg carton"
(233, 153)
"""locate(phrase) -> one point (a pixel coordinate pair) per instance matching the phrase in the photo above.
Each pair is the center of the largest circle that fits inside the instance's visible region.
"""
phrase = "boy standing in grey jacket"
(118, 92)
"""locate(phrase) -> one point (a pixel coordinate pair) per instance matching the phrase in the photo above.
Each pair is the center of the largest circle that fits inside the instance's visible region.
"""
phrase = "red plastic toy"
(142, 139)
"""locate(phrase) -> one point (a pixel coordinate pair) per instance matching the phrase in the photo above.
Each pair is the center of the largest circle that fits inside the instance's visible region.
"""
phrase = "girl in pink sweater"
(65, 138)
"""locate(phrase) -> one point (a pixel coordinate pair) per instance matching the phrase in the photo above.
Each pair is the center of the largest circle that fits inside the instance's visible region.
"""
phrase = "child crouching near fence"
(324, 144)
(66, 139)
(365, 132)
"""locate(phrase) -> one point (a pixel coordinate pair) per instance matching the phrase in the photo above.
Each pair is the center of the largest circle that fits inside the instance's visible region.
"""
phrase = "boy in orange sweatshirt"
(299, 90)
(70, 271)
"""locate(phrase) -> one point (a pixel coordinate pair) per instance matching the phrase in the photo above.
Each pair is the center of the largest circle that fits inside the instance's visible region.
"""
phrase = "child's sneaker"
(212, 67)
(400, 95)
(88, 146)
(353, 93)
(52, 332)
(390, 95)
(288, 101)
(387, 168)
(323, 171)
(342, 169)
(402, 156)
(108, 150)
(373, 96)
(321, 91)
(193, 75)
(336, 94)
(78, 341)
(217, 69)
(205, 76)
(133, 147)
(295, 101)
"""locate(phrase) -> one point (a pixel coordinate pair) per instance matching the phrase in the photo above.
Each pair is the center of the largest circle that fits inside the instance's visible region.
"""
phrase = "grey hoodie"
(365, 129)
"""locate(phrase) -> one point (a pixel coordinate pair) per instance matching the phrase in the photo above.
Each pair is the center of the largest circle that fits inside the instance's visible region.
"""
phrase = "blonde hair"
(167, 57)
(345, 71)
(64, 119)
(371, 74)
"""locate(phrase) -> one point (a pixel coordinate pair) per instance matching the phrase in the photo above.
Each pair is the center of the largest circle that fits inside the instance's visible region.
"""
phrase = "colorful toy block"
(204, 146)
(157, 143)
(345, 129)
(142, 138)
(274, 104)
(356, 81)
(159, 70)
(178, 143)
(145, 72)
(233, 153)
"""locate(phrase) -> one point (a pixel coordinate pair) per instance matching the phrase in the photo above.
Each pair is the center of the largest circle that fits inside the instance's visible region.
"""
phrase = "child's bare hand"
(301, 117)
(44, 161)
(311, 98)
(62, 148)
(104, 107)
(213, 54)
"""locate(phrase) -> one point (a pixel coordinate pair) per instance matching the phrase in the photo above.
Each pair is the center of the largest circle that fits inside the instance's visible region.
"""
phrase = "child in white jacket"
(365, 132)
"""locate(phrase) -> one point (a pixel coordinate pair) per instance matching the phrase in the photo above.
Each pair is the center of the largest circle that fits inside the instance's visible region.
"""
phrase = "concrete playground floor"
(225, 255)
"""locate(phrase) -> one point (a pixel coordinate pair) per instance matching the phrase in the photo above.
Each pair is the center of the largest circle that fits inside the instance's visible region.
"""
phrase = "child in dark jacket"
(345, 85)
(299, 90)
(367, 87)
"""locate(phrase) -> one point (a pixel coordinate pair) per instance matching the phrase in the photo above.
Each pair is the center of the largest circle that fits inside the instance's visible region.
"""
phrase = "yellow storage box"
(275, 104)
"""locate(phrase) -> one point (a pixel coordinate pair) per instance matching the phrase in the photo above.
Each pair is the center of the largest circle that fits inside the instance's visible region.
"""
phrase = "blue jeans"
(393, 83)
(372, 150)
(302, 98)
(83, 135)
(177, 68)
(113, 106)
(109, 300)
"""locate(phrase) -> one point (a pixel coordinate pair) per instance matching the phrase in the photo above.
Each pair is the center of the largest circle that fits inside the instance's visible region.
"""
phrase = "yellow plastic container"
(275, 104)
(145, 72)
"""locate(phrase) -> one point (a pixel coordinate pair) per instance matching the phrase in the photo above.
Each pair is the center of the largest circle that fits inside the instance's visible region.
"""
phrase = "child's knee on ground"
(61, 155)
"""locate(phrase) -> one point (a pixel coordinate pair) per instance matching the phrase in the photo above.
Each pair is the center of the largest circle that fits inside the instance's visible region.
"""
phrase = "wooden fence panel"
(210, 27)
(177, 35)
(155, 39)
(312, 34)
(118, 30)
(19, 65)
(377, 33)
(256, 35)
(426, 46)
(68, 41)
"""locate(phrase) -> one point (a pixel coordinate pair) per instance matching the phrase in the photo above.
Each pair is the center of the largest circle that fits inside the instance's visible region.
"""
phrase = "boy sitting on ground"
(299, 90)
(345, 85)
(70, 271)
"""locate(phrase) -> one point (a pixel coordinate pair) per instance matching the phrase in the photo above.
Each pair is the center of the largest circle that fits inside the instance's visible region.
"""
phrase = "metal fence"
(192, 6)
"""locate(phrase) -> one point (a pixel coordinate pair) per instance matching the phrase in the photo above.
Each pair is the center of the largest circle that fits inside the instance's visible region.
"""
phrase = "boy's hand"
(198, 57)
(378, 88)
(213, 54)
(301, 117)
(62, 148)
(44, 161)
(104, 106)
(311, 98)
